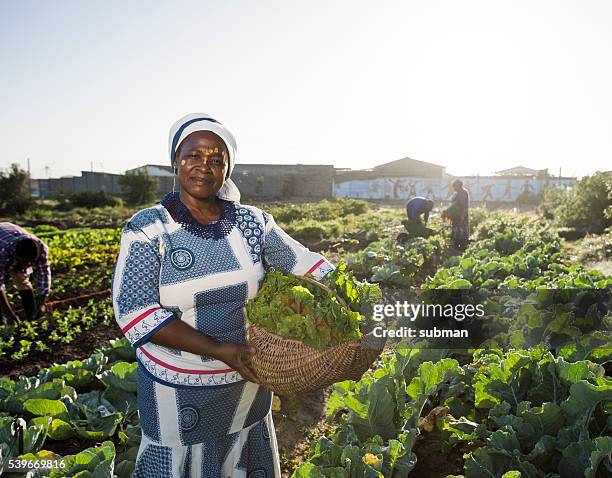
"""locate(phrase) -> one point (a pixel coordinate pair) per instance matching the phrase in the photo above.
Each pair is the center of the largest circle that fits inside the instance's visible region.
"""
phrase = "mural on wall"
(493, 189)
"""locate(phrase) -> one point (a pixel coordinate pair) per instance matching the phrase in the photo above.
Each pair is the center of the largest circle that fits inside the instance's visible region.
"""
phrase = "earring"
(174, 183)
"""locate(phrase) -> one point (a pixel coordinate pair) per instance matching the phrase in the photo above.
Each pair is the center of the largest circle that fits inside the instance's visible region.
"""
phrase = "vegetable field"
(533, 400)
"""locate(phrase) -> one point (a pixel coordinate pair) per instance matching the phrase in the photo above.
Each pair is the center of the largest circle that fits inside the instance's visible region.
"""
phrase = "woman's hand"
(237, 357)
(179, 335)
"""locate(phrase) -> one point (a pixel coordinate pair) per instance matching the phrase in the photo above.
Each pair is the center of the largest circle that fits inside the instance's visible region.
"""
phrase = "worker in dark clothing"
(22, 253)
(458, 213)
(419, 206)
(417, 210)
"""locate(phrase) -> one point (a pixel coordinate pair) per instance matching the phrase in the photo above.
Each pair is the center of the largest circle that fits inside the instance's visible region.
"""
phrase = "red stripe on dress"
(138, 319)
(184, 370)
(315, 266)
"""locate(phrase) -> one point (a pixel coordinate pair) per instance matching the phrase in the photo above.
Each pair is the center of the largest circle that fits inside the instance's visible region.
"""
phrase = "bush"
(322, 211)
(138, 188)
(595, 248)
(309, 231)
(43, 229)
(87, 199)
(528, 199)
(98, 217)
(553, 199)
(15, 196)
(585, 208)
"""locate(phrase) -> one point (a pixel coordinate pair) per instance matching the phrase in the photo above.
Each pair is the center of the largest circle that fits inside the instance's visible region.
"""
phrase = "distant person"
(508, 190)
(527, 188)
(419, 206)
(458, 213)
(412, 187)
(22, 253)
(488, 193)
(398, 187)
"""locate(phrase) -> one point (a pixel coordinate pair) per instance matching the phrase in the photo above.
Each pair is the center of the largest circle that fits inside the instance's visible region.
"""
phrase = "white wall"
(495, 189)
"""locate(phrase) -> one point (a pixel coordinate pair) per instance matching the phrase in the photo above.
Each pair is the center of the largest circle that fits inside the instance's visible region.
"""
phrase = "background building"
(523, 171)
(395, 180)
(87, 181)
(406, 178)
(284, 180)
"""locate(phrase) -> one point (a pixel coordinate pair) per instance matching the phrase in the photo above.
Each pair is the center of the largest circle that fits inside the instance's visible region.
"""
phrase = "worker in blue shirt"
(419, 206)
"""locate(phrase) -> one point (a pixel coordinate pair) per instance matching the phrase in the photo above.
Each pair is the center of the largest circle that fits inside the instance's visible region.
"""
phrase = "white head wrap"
(202, 122)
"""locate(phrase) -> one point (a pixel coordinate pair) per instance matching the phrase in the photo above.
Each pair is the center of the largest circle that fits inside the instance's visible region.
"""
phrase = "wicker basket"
(287, 366)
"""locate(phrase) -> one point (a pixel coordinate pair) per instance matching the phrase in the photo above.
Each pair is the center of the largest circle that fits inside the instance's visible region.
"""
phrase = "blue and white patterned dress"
(199, 418)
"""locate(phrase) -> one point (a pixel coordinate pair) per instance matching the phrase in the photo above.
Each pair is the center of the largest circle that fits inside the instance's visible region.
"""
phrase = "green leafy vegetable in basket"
(293, 308)
(359, 296)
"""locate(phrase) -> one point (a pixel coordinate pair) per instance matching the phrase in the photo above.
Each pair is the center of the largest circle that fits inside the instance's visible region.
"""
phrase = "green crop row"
(18, 342)
(541, 409)
(526, 412)
(92, 400)
(399, 264)
(82, 248)
(512, 252)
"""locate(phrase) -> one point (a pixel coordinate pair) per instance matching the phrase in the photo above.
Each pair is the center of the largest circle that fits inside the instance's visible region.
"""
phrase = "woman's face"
(202, 162)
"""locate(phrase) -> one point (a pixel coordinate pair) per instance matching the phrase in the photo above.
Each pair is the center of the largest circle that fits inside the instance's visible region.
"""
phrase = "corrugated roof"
(407, 160)
(520, 170)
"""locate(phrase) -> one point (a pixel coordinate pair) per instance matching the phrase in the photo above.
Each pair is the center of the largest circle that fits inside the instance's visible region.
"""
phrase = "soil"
(299, 423)
(72, 446)
(78, 290)
(79, 301)
(432, 462)
(95, 337)
(68, 299)
(350, 243)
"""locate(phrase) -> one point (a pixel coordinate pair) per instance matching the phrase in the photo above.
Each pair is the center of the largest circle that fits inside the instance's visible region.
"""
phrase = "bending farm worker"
(419, 206)
(22, 253)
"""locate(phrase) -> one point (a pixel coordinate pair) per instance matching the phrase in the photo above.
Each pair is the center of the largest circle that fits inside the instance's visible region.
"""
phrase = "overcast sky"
(476, 86)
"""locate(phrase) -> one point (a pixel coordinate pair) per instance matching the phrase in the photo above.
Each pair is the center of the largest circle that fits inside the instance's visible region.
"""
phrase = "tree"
(584, 208)
(87, 199)
(15, 196)
(553, 199)
(138, 188)
(591, 198)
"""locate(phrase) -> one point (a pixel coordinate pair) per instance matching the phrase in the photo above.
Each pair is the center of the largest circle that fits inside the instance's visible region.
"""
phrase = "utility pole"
(29, 179)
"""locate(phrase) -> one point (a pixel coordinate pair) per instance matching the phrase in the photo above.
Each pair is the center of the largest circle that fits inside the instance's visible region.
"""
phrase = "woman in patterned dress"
(185, 271)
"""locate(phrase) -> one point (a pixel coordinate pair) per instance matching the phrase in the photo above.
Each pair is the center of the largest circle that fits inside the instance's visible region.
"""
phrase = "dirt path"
(299, 423)
(605, 267)
(574, 249)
